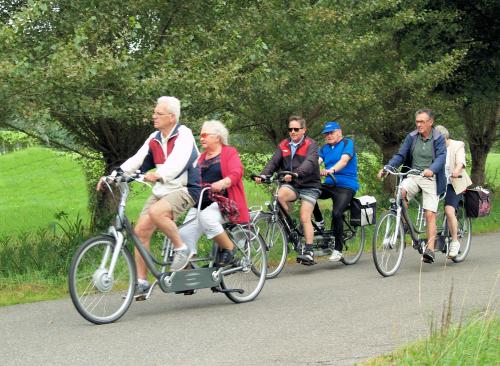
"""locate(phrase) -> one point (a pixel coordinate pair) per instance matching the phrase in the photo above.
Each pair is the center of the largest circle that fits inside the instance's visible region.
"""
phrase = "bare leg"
(430, 218)
(223, 241)
(161, 215)
(285, 196)
(306, 210)
(143, 230)
(452, 221)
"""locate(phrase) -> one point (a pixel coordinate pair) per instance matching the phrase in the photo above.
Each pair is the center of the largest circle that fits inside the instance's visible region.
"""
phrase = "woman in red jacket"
(221, 168)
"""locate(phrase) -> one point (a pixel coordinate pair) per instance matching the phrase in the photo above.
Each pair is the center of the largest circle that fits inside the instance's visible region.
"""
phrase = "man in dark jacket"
(423, 149)
(298, 154)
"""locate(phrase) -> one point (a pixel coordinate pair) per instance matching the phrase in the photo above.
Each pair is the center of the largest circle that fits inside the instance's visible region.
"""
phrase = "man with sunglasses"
(298, 154)
(341, 183)
(172, 152)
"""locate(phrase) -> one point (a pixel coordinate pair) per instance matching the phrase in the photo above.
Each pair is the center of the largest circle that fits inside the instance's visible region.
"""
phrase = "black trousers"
(341, 198)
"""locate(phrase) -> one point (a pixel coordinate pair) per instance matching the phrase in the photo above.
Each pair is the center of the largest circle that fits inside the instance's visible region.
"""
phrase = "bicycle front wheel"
(101, 297)
(246, 279)
(354, 243)
(388, 244)
(276, 240)
(464, 234)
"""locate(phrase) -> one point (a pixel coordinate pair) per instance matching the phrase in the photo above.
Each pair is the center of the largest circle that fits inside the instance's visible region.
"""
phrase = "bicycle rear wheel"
(464, 234)
(276, 240)
(99, 297)
(250, 262)
(388, 244)
(354, 243)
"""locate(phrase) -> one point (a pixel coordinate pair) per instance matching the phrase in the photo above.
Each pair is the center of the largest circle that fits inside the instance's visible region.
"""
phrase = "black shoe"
(306, 258)
(225, 258)
(428, 256)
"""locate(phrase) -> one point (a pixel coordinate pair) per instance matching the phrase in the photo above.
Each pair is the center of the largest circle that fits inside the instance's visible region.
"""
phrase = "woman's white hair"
(443, 131)
(173, 105)
(218, 128)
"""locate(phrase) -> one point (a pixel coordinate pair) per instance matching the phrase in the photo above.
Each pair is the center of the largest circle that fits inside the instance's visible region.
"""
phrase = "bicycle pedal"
(187, 292)
(141, 297)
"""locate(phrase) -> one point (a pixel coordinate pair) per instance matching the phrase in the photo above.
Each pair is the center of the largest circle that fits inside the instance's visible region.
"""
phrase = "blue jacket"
(404, 156)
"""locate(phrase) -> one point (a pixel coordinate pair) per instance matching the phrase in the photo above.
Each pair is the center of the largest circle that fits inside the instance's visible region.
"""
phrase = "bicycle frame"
(401, 211)
(163, 278)
(278, 212)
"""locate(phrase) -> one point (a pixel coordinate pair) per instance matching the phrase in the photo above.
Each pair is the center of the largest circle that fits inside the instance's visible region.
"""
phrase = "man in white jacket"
(172, 151)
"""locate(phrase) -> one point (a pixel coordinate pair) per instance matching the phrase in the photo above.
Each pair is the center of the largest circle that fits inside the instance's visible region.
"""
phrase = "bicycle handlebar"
(268, 179)
(391, 170)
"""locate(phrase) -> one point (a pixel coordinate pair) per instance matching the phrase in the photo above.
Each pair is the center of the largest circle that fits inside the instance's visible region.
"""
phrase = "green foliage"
(368, 166)
(254, 163)
(48, 251)
(13, 140)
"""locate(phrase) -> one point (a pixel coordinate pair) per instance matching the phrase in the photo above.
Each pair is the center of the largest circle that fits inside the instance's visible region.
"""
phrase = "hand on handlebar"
(217, 186)
(427, 173)
(152, 177)
(381, 174)
(325, 172)
(287, 178)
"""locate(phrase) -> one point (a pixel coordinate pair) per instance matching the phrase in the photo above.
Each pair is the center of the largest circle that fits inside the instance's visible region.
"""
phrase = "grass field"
(36, 183)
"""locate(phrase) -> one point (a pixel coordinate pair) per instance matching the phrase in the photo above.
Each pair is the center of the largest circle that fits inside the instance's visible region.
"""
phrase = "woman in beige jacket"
(458, 180)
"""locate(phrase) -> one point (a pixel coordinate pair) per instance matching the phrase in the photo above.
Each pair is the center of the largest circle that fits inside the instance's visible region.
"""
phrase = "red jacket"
(232, 168)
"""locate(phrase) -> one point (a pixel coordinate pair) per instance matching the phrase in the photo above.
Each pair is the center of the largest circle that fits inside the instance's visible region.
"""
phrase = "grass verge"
(476, 342)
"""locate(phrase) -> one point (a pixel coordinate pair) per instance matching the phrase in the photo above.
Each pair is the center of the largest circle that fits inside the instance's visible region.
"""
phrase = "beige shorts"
(427, 185)
(178, 201)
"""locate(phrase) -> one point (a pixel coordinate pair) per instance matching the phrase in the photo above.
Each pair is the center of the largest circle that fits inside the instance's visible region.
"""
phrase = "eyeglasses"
(156, 114)
(294, 129)
(204, 135)
(329, 133)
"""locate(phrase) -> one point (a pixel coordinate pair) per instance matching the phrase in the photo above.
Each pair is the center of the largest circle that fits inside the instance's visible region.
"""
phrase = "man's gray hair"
(218, 128)
(428, 111)
(443, 131)
(173, 106)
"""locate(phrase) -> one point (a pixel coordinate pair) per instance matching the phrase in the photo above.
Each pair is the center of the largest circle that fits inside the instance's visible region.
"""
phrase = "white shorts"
(209, 223)
(427, 185)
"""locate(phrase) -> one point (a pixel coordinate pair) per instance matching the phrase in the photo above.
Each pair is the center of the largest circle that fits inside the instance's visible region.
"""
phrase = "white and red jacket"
(175, 159)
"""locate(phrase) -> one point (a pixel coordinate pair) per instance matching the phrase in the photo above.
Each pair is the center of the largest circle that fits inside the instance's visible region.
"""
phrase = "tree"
(94, 69)
(474, 85)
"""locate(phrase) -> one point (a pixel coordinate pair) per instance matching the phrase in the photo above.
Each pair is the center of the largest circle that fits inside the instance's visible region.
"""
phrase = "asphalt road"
(329, 314)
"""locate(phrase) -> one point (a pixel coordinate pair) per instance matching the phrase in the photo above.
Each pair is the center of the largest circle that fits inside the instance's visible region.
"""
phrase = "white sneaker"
(454, 249)
(181, 259)
(336, 256)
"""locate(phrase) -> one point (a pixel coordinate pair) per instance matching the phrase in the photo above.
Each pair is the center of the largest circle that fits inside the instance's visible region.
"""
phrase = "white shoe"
(181, 259)
(454, 249)
(336, 256)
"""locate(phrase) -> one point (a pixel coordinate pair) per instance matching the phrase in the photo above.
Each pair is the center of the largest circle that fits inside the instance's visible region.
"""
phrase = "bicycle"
(389, 236)
(278, 229)
(102, 275)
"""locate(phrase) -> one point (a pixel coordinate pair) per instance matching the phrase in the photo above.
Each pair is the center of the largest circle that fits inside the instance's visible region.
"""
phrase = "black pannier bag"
(363, 211)
(477, 202)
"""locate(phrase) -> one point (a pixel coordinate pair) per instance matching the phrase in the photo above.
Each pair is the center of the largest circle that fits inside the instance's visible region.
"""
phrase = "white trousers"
(209, 223)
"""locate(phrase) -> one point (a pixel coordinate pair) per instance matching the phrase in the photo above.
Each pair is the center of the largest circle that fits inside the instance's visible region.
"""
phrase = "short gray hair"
(443, 131)
(427, 111)
(173, 105)
(218, 128)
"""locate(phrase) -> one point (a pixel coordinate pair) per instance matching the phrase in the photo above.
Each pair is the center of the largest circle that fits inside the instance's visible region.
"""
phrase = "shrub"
(13, 140)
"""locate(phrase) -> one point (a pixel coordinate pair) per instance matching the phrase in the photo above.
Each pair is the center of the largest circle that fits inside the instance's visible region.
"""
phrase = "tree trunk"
(388, 150)
(102, 204)
(479, 154)
(480, 115)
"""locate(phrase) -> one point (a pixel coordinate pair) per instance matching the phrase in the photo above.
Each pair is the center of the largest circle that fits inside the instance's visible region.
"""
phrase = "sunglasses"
(294, 129)
(204, 135)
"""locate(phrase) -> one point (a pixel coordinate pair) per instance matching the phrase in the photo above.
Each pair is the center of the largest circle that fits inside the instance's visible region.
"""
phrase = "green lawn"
(35, 184)
(493, 169)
